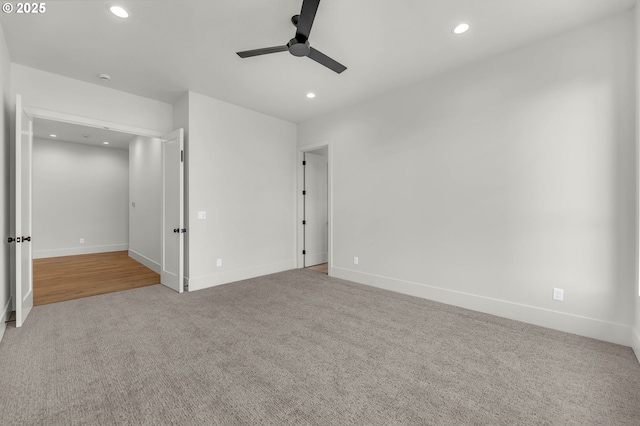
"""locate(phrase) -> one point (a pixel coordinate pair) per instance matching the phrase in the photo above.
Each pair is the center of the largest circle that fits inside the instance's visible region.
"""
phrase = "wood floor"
(56, 279)
(323, 267)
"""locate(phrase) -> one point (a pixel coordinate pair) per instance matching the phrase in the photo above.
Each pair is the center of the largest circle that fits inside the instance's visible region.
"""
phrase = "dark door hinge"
(304, 222)
(183, 230)
(304, 163)
(304, 192)
(304, 252)
(182, 156)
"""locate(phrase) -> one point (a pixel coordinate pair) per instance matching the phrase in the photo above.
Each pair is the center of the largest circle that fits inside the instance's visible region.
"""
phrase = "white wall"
(53, 92)
(241, 167)
(635, 338)
(488, 186)
(145, 201)
(5, 120)
(79, 191)
(635, 333)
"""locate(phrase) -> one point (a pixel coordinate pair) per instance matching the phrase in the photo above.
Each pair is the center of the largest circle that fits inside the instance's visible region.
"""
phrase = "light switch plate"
(202, 215)
(558, 294)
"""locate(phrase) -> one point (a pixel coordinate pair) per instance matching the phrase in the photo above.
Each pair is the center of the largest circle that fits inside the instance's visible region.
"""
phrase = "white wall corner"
(575, 324)
(154, 266)
(635, 342)
(199, 283)
(6, 313)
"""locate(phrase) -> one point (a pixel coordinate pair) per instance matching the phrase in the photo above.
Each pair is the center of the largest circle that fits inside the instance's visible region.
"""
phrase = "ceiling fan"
(299, 45)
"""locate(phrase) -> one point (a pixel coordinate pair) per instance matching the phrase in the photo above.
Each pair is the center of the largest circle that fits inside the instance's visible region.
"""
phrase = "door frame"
(91, 122)
(35, 112)
(300, 200)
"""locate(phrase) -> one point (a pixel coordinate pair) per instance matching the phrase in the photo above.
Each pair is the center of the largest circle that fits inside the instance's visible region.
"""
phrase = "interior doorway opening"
(92, 233)
(315, 209)
(172, 195)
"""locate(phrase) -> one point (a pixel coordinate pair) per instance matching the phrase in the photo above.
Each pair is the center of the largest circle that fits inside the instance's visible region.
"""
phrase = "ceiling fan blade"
(263, 51)
(323, 59)
(305, 21)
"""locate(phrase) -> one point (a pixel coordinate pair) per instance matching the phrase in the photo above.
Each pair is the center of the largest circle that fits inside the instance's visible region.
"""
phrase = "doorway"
(315, 200)
(87, 226)
(172, 195)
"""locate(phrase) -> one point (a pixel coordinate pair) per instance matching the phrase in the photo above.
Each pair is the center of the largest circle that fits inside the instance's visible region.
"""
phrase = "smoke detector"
(104, 77)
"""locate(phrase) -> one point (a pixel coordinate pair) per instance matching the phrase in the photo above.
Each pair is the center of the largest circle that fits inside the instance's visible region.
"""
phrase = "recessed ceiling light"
(105, 143)
(54, 136)
(119, 11)
(461, 28)
(311, 95)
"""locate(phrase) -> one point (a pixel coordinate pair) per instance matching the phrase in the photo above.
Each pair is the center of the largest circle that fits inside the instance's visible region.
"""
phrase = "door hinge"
(304, 163)
(26, 239)
(304, 192)
(304, 252)
(304, 222)
(11, 240)
(182, 156)
(183, 230)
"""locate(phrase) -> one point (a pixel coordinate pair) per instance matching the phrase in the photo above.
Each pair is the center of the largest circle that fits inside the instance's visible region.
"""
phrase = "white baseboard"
(635, 342)
(583, 326)
(40, 254)
(199, 283)
(315, 259)
(4, 316)
(151, 264)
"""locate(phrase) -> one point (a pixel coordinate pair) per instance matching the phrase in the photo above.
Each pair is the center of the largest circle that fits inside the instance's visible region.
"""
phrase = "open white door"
(172, 210)
(22, 240)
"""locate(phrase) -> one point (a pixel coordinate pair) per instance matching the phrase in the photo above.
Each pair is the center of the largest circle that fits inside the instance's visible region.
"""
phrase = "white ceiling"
(167, 47)
(66, 132)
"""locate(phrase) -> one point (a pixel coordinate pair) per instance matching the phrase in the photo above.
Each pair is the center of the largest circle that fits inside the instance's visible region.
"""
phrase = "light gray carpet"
(302, 348)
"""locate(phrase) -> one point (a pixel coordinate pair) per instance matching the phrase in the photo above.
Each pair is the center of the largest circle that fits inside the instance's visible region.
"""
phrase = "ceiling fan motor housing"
(298, 48)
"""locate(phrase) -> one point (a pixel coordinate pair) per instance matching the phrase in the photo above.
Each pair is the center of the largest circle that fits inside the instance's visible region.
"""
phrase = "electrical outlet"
(355, 260)
(558, 294)
(81, 240)
(219, 262)
(202, 215)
